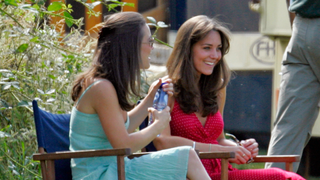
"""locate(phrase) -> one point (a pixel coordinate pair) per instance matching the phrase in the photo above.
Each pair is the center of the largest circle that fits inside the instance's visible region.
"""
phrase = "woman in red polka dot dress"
(200, 76)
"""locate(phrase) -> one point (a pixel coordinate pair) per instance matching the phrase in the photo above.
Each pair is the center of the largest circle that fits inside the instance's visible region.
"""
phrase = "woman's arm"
(105, 102)
(165, 141)
(140, 112)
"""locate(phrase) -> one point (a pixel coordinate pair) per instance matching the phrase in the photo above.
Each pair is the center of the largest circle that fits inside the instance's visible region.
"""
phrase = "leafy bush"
(38, 61)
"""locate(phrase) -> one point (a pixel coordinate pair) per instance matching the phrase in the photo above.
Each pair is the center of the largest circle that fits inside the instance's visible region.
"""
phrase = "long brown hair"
(117, 57)
(183, 73)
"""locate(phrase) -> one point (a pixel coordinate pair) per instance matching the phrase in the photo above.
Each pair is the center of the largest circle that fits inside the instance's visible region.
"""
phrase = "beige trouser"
(299, 91)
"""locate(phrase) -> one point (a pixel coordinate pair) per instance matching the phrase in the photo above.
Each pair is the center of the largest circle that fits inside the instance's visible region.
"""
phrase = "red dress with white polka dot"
(188, 126)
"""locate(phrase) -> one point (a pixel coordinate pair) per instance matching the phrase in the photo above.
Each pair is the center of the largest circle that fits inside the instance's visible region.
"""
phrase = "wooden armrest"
(287, 159)
(202, 155)
(220, 155)
(224, 156)
(131, 156)
(81, 154)
(277, 158)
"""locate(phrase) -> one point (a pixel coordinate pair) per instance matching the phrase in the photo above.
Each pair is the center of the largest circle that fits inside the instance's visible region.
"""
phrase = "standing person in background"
(103, 116)
(299, 97)
(200, 76)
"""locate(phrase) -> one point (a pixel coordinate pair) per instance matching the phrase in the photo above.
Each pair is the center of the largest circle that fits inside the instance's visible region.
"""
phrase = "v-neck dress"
(189, 126)
(86, 133)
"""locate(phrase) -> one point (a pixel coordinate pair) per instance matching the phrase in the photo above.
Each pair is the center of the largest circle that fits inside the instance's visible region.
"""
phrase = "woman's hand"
(242, 155)
(252, 146)
(167, 87)
(161, 117)
(154, 87)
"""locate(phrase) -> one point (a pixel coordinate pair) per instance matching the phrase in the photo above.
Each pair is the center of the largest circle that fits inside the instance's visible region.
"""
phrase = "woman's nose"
(214, 54)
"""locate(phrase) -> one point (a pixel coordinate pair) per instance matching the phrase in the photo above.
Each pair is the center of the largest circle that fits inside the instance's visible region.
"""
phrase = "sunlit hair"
(181, 69)
(117, 57)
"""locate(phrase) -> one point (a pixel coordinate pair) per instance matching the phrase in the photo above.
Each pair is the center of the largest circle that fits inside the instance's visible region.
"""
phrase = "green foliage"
(55, 6)
(38, 61)
(157, 25)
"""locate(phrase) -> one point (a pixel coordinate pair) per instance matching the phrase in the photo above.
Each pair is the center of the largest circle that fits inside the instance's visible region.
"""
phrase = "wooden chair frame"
(287, 159)
(47, 159)
(224, 156)
(48, 171)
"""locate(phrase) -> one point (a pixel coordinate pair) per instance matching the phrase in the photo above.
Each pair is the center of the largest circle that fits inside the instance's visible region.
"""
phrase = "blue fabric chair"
(53, 146)
(53, 135)
(150, 147)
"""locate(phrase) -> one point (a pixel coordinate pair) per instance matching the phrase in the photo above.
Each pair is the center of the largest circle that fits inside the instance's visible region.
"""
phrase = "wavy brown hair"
(191, 95)
(117, 57)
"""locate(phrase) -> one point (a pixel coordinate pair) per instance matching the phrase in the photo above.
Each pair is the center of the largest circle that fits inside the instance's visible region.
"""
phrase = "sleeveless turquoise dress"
(87, 133)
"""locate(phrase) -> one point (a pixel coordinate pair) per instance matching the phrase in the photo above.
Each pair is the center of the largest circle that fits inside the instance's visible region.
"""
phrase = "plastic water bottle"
(160, 101)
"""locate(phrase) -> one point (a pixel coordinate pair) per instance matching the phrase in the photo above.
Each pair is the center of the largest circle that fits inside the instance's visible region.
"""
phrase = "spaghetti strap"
(88, 89)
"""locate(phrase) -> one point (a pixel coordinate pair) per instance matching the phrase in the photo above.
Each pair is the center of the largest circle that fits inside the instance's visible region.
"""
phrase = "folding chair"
(224, 156)
(53, 146)
(54, 155)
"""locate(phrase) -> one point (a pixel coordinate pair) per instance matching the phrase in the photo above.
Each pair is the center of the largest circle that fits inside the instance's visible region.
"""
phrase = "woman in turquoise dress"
(103, 116)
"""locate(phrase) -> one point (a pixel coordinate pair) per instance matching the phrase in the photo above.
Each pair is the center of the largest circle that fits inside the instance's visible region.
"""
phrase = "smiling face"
(146, 47)
(207, 53)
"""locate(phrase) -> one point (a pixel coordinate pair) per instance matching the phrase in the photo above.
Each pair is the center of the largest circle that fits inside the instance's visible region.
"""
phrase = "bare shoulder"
(103, 90)
(104, 97)
(100, 94)
(104, 85)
